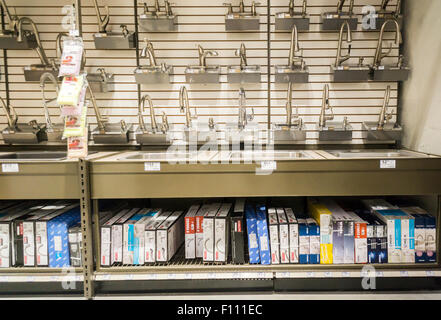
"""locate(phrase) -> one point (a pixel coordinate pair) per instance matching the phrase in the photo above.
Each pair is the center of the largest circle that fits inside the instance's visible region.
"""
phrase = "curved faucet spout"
(379, 55)
(40, 50)
(340, 59)
(294, 48)
(152, 115)
(203, 55)
(325, 106)
(384, 116)
(44, 78)
(102, 21)
(101, 120)
(242, 53)
(149, 51)
(10, 114)
(185, 106)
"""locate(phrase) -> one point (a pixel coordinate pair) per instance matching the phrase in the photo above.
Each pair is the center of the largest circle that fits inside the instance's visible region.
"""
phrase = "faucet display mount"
(241, 20)
(202, 73)
(243, 73)
(332, 21)
(157, 19)
(285, 21)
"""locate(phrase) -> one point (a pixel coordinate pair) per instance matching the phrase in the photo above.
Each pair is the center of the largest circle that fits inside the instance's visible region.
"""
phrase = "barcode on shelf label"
(152, 166)
(404, 273)
(30, 279)
(212, 275)
(379, 274)
(10, 167)
(172, 275)
(388, 164)
(328, 274)
(430, 273)
(106, 277)
(188, 276)
(268, 165)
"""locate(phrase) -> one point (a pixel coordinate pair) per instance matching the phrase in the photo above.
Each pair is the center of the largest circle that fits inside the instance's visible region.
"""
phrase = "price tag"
(430, 273)
(388, 164)
(188, 276)
(381, 68)
(129, 277)
(4, 279)
(310, 274)
(212, 275)
(106, 277)
(30, 279)
(171, 276)
(152, 276)
(345, 274)
(236, 275)
(152, 166)
(55, 278)
(10, 167)
(260, 275)
(379, 274)
(269, 165)
(328, 274)
(340, 68)
(404, 273)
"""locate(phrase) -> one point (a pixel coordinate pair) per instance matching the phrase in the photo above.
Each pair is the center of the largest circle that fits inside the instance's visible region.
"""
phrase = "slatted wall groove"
(202, 22)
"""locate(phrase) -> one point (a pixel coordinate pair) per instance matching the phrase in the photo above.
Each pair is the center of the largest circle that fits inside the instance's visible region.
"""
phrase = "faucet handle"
(360, 61)
(165, 124)
(123, 126)
(230, 7)
(125, 31)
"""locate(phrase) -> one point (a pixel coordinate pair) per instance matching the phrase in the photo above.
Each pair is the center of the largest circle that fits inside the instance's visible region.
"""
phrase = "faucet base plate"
(97, 84)
(242, 22)
(35, 71)
(23, 134)
(114, 134)
(390, 73)
(285, 22)
(332, 21)
(158, 24)
(285, 74)
(390, 132)
(104, 41)
(8, 40)
(351, 73)
(153, 75)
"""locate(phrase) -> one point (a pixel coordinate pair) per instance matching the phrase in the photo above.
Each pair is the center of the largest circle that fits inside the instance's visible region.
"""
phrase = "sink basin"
(285, 74)
(198, 74)
(201, 156)
(390, 73)
(383, 154)
(111, 40)
(153, 75)
(249, 74)
(261, 155)
(45, 155)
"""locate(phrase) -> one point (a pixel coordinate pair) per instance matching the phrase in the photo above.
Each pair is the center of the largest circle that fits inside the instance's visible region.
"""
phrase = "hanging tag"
(70, 63)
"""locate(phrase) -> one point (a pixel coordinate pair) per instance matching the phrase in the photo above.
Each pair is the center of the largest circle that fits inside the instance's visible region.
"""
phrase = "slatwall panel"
(202, 22)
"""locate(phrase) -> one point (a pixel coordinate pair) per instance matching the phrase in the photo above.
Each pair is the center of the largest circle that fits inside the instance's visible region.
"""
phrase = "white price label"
(345, 274)
(328, 274)
(379, 274)
(430, 273)
(30, 279)
(340, 68)
(106, 277)
(310, 274)
(388, 164)
(381, 68)
(188, 276)
(153, 276)
(171, 276)
(129, 277)
(236, 275)
(269, 165)
(152, 166)
(285, 275)
(4, 279)
(404, 273)
(212, 275)
(10, 167)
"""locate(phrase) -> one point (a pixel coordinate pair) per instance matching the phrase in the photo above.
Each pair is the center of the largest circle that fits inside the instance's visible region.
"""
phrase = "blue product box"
(262, 233)
(253, 243)
(58, 242)
(314, 241)
(303, 241)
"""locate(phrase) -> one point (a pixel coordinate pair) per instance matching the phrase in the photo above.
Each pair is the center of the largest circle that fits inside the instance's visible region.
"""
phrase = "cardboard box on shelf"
(253, 242)
(360, 238)
(262, 233)
(283, 235)
(170, 236)
(117, 236)
(237, 232)
(190, 232)
(314, 241)
(208, 232)
(199, 220)
(274, 235)
(75, 244)
(323, 216)
(222, 233)
(293, 236)
(304, 245)
(150, 235)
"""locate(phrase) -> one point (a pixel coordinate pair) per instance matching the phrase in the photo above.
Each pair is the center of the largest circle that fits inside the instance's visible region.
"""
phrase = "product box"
(360, 238)
(338, 238)
(190, 232)
(420, 232)
(199, 220)
(349, 239)
(41, 233)
(430, 222)
(208, 232)
(237, 232)
(408, 239)
(222, 233)
(9, 233)
(304, 245)
(150, 235)
(323, 216)
(371, 230)
(314, 241)
(262, 234)
(75, 245)
(106, 238)
(284, 235)
(134, 236)
(253, 242)
(293, 236)
(273, 223)
(58, 243)
(170, 236)
(381, 235)
(116, 235)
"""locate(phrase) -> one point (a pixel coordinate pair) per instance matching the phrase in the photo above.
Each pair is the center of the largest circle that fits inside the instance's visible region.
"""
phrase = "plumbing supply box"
(293, 236)
(262, 233)
(323, 216)
(75, 245)
(28, 226)
(190, 232)
(222, 233)
(420, 236)
(106, 238)
(274, 235)
(237, 232)
(338, 240)
(303, 241)
(283, 235)
(360, 238)
(117, 236)
(134, 236)
(42, 236)
(57, 231)
(253, 243)
(314, 241)
(349, 240)
(170, 236)
(8, 233)
(150, 235)
(408, 239)
(381, 235)
(208, 232)
(199, 220)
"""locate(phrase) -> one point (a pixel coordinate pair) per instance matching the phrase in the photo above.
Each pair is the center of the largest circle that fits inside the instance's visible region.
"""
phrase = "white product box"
(190, 232)
(408, 239)
(222, 233)
(199, 221)
(208, 231)
(274, 235)
(360, 239)
(117, 236)
(293, 236)
(304, 246)
(283, 235)
(150, 236)
(170, 236)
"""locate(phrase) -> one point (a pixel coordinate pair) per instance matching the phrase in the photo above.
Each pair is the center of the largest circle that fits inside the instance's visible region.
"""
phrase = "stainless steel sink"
(44, 155)
(199, 74)
(171, 156)
(351, 73)
(265, 155)
(383, 154)
(153, 75)
(286, 74)
(248, 74)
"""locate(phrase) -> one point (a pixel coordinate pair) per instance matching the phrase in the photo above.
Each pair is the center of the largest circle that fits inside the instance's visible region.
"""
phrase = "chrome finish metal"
(54, 132)
(157, 20)
(154, 134)
(340, 59)
(332, 21)
(102, 22)
(113, 40)
(101, 120)
(243, 73)
(285, 21)
(101, 81)
(379, 55)
(115, 133)
(203, 73)
(154, 73)
(185, 107)
(241, 20)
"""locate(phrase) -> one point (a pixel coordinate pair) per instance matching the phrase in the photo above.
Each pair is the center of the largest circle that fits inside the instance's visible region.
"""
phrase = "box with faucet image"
(199, 224)
(262, 234)
(190, 232)
(237, 232)
(253, 242)
(75, 245)
(208, 232)
(170, 236)
(274, 235)
(222, 233)
(283, 235)
(304, 245)
(117, 236)
(293, 236)
(150, 235)
(314, 241)
(319, 211)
